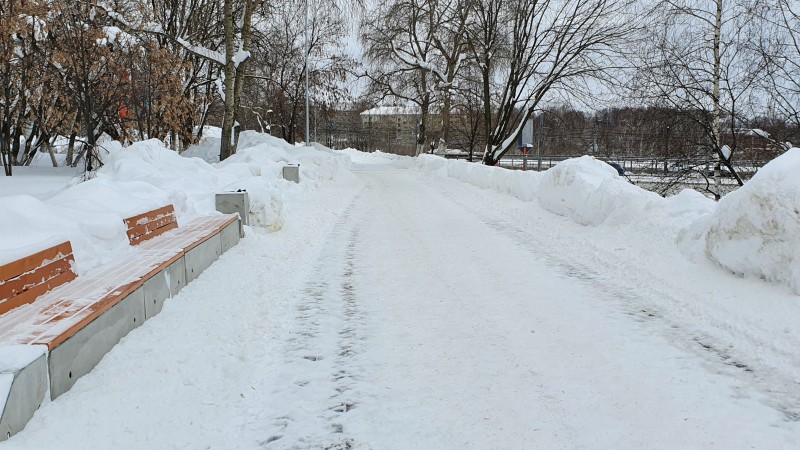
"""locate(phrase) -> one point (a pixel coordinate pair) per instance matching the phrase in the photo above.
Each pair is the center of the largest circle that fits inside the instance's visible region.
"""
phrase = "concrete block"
(292, 173)
(79, 354)
(234, 202)
(230, 236)
(27, 392)
(199, 258)
(162, 286)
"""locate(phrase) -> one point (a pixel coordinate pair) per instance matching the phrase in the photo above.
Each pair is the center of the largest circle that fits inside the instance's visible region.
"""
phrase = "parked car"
(723, 171)
(620, 169)
(678, 166)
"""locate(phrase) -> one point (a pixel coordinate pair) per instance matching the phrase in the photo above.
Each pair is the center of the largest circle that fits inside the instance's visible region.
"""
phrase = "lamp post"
(308, 130)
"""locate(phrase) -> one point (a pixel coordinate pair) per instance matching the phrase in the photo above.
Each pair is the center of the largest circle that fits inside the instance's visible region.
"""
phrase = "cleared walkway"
(404, 312)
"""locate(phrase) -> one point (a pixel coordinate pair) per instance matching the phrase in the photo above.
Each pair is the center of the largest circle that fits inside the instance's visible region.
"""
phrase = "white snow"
(143, 177)
(429, 303)
(726, 151)
(392, 111)
(240, 56)
(756, 229)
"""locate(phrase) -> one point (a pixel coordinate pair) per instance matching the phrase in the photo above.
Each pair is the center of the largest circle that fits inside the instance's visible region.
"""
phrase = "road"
(403, 311)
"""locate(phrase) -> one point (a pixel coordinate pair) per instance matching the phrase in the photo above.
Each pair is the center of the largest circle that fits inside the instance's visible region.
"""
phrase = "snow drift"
(147, 175)
(587, 190)
(590, 192)
(756, 229)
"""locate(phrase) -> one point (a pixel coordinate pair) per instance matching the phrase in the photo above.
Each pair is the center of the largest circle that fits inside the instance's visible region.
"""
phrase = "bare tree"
(527, 51)
(278, 82)
(697, 60)
(398, 38)
(236, 24)
(779, 46)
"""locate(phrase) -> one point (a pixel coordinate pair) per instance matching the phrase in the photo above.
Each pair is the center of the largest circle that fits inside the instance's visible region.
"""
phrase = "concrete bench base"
(28, 382)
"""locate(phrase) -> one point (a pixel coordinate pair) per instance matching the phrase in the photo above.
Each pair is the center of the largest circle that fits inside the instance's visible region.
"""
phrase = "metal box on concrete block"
(235, 202)
(291, 173)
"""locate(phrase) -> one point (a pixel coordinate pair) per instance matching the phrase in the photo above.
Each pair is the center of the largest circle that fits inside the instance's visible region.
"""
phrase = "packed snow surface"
(433, 304)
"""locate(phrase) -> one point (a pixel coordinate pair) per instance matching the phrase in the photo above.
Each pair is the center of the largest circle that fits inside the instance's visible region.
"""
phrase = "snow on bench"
(76, 320)
(22, 281)
(151, 224)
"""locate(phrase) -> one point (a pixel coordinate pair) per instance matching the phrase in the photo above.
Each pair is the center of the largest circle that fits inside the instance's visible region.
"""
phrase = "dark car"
(620, 169)
(723, 171)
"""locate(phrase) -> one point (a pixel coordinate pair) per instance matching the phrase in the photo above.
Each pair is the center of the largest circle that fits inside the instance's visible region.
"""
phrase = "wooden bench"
(24, 280)
(151, 224)
(77, 319)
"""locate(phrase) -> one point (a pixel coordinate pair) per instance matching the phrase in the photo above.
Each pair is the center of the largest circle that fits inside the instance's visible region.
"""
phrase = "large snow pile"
(756, 229)
(147, 175)
(270, 154)
(590, 192)
(587, 190)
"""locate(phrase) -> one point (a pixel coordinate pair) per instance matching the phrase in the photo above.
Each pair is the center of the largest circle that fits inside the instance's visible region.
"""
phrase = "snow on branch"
(155, 28)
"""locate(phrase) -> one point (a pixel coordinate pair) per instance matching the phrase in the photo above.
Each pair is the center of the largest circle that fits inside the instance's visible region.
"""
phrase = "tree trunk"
(240, 72)
(488, 157)
(5, 147)
(226, 148)
(717, 119)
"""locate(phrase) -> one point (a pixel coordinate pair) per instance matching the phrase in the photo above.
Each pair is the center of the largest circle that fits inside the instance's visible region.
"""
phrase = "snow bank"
(756, 229)
(590, 192)
(147, 175)
(269, 154)
(753, 231)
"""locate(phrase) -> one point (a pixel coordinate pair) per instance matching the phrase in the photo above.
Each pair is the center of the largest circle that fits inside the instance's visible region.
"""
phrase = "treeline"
(482, 68)
(139, 69)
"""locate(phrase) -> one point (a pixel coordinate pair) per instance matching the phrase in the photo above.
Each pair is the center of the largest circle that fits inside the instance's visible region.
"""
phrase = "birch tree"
(697, 59)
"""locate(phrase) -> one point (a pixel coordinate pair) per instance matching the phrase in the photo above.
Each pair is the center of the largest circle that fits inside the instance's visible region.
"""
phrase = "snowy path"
(406, 312)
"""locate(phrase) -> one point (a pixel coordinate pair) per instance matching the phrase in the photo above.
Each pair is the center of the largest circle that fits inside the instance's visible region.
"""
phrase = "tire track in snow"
(321, 348)
(779, 389)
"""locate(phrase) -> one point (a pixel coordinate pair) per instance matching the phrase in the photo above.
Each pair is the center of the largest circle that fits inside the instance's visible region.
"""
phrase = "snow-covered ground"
(432, 304)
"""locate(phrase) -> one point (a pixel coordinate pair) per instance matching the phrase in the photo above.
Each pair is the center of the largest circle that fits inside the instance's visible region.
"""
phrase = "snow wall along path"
(755, 231)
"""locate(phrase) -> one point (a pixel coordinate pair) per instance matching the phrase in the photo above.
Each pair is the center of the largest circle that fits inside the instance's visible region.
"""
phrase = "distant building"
(392, 129)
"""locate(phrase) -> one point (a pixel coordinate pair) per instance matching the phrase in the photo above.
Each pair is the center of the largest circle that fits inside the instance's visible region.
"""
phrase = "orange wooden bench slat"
(34, 261)
(35, 292)
(151, 234)
(149, 216)
(151, 224)
(15, 286)
(149, 227)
